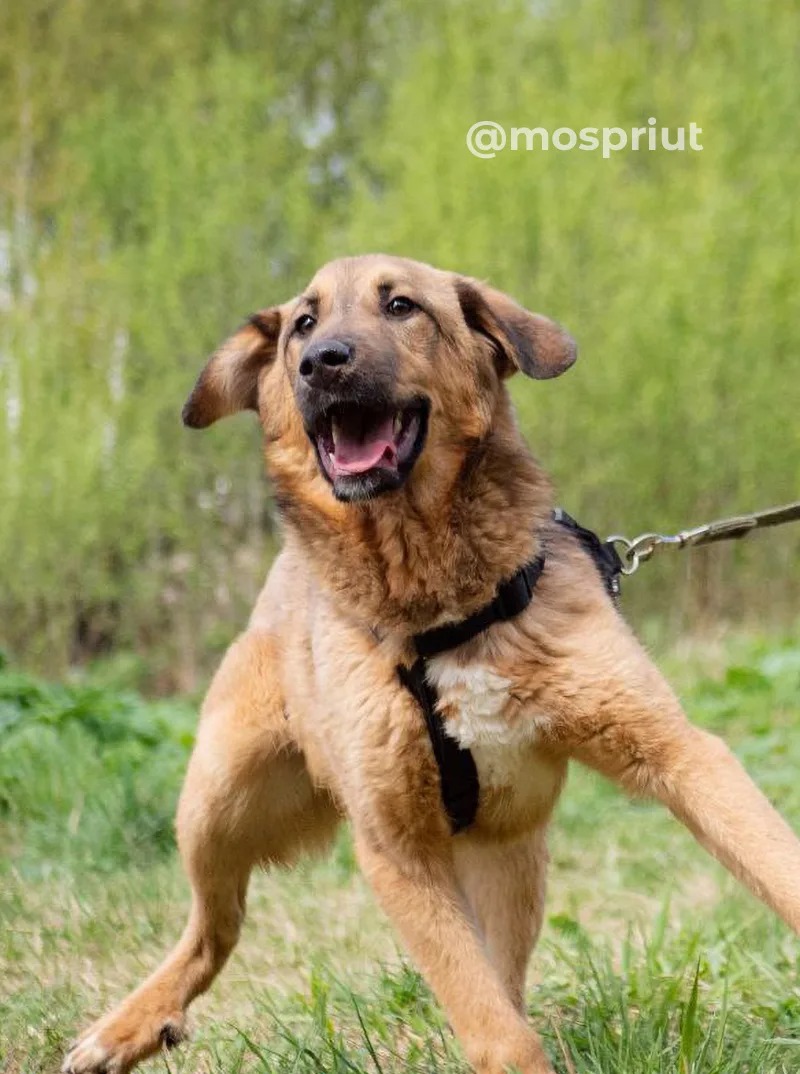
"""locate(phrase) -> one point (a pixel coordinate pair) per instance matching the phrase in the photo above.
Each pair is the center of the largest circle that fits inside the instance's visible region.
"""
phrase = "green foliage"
(150, 198)
(167, 168)
(87, 775)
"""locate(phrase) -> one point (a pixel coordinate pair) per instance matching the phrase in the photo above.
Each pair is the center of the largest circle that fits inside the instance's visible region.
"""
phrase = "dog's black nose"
(322, 361)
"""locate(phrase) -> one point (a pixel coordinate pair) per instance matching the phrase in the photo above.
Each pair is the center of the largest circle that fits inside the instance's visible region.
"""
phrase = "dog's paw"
(114, 1046)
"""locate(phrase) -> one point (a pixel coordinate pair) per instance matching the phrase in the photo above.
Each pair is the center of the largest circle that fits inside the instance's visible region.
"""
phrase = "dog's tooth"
(334, 431)
(398, 423)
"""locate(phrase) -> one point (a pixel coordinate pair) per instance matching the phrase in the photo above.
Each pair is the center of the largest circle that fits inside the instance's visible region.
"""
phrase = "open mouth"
(365, 450)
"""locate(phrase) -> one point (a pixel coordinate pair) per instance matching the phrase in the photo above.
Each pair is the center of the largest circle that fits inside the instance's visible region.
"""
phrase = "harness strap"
(604, 553)
(457, 769)
(458, 773)
(511, 598)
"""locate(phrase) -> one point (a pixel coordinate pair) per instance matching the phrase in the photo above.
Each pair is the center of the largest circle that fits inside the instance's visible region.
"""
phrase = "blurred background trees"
(168, 167)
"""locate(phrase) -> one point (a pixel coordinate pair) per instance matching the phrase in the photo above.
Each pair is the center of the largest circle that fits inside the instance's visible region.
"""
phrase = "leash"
(641, 548)
(458, 773)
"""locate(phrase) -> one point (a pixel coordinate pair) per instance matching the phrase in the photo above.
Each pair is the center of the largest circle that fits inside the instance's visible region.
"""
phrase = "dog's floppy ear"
(526, 341)
(229, 380)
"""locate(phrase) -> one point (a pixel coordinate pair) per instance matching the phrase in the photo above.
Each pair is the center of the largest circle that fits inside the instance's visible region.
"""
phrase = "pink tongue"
(354, 456)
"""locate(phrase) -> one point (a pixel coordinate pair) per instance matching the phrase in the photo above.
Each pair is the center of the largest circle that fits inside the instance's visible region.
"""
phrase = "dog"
(408, 495)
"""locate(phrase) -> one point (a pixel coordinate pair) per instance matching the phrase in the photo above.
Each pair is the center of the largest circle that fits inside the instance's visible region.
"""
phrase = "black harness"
(457, 770)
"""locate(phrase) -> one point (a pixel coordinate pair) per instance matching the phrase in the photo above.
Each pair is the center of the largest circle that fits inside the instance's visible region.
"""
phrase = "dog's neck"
(435, 550)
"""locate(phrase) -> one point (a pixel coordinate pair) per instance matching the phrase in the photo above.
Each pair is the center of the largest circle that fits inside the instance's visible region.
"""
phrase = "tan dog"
(407, 494)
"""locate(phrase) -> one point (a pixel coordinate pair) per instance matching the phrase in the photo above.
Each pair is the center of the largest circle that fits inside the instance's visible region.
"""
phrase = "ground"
(651, 960)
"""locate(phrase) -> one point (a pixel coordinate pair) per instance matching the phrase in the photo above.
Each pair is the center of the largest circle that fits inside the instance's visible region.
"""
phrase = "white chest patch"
(475, 699)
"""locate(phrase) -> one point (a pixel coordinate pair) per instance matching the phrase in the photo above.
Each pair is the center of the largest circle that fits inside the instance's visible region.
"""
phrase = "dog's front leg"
(641, 738)
(422, 899)
(247, 799)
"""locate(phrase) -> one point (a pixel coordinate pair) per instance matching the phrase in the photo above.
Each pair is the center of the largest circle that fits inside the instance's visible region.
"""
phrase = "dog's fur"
(306, 722)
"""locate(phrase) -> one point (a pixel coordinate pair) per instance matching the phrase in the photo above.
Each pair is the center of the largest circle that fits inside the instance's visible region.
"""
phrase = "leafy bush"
(163, 174)
(87, 775)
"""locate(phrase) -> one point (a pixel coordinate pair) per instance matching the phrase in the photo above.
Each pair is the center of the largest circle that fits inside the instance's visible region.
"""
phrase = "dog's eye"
(304, 323)
(400, 306)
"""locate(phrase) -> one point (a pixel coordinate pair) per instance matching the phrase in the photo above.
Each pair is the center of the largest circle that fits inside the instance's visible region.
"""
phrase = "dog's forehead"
(348, 280)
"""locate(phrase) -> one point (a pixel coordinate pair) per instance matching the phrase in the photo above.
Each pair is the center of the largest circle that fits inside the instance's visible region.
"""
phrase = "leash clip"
(640, 549)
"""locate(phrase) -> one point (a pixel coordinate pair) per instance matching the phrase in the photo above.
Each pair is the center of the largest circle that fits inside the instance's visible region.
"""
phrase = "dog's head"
(380, 362)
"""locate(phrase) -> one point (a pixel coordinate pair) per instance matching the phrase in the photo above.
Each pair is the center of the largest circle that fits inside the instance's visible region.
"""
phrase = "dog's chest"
(479, 714)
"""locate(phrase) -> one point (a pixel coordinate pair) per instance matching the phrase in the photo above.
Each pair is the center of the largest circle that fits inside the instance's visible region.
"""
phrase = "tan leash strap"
(641, 548)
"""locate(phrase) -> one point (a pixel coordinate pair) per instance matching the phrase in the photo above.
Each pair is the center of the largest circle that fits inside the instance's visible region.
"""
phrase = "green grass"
(651, 960)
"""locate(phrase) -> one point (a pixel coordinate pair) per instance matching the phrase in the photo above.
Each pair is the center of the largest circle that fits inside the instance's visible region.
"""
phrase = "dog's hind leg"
(247, 800)
(504, 884)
